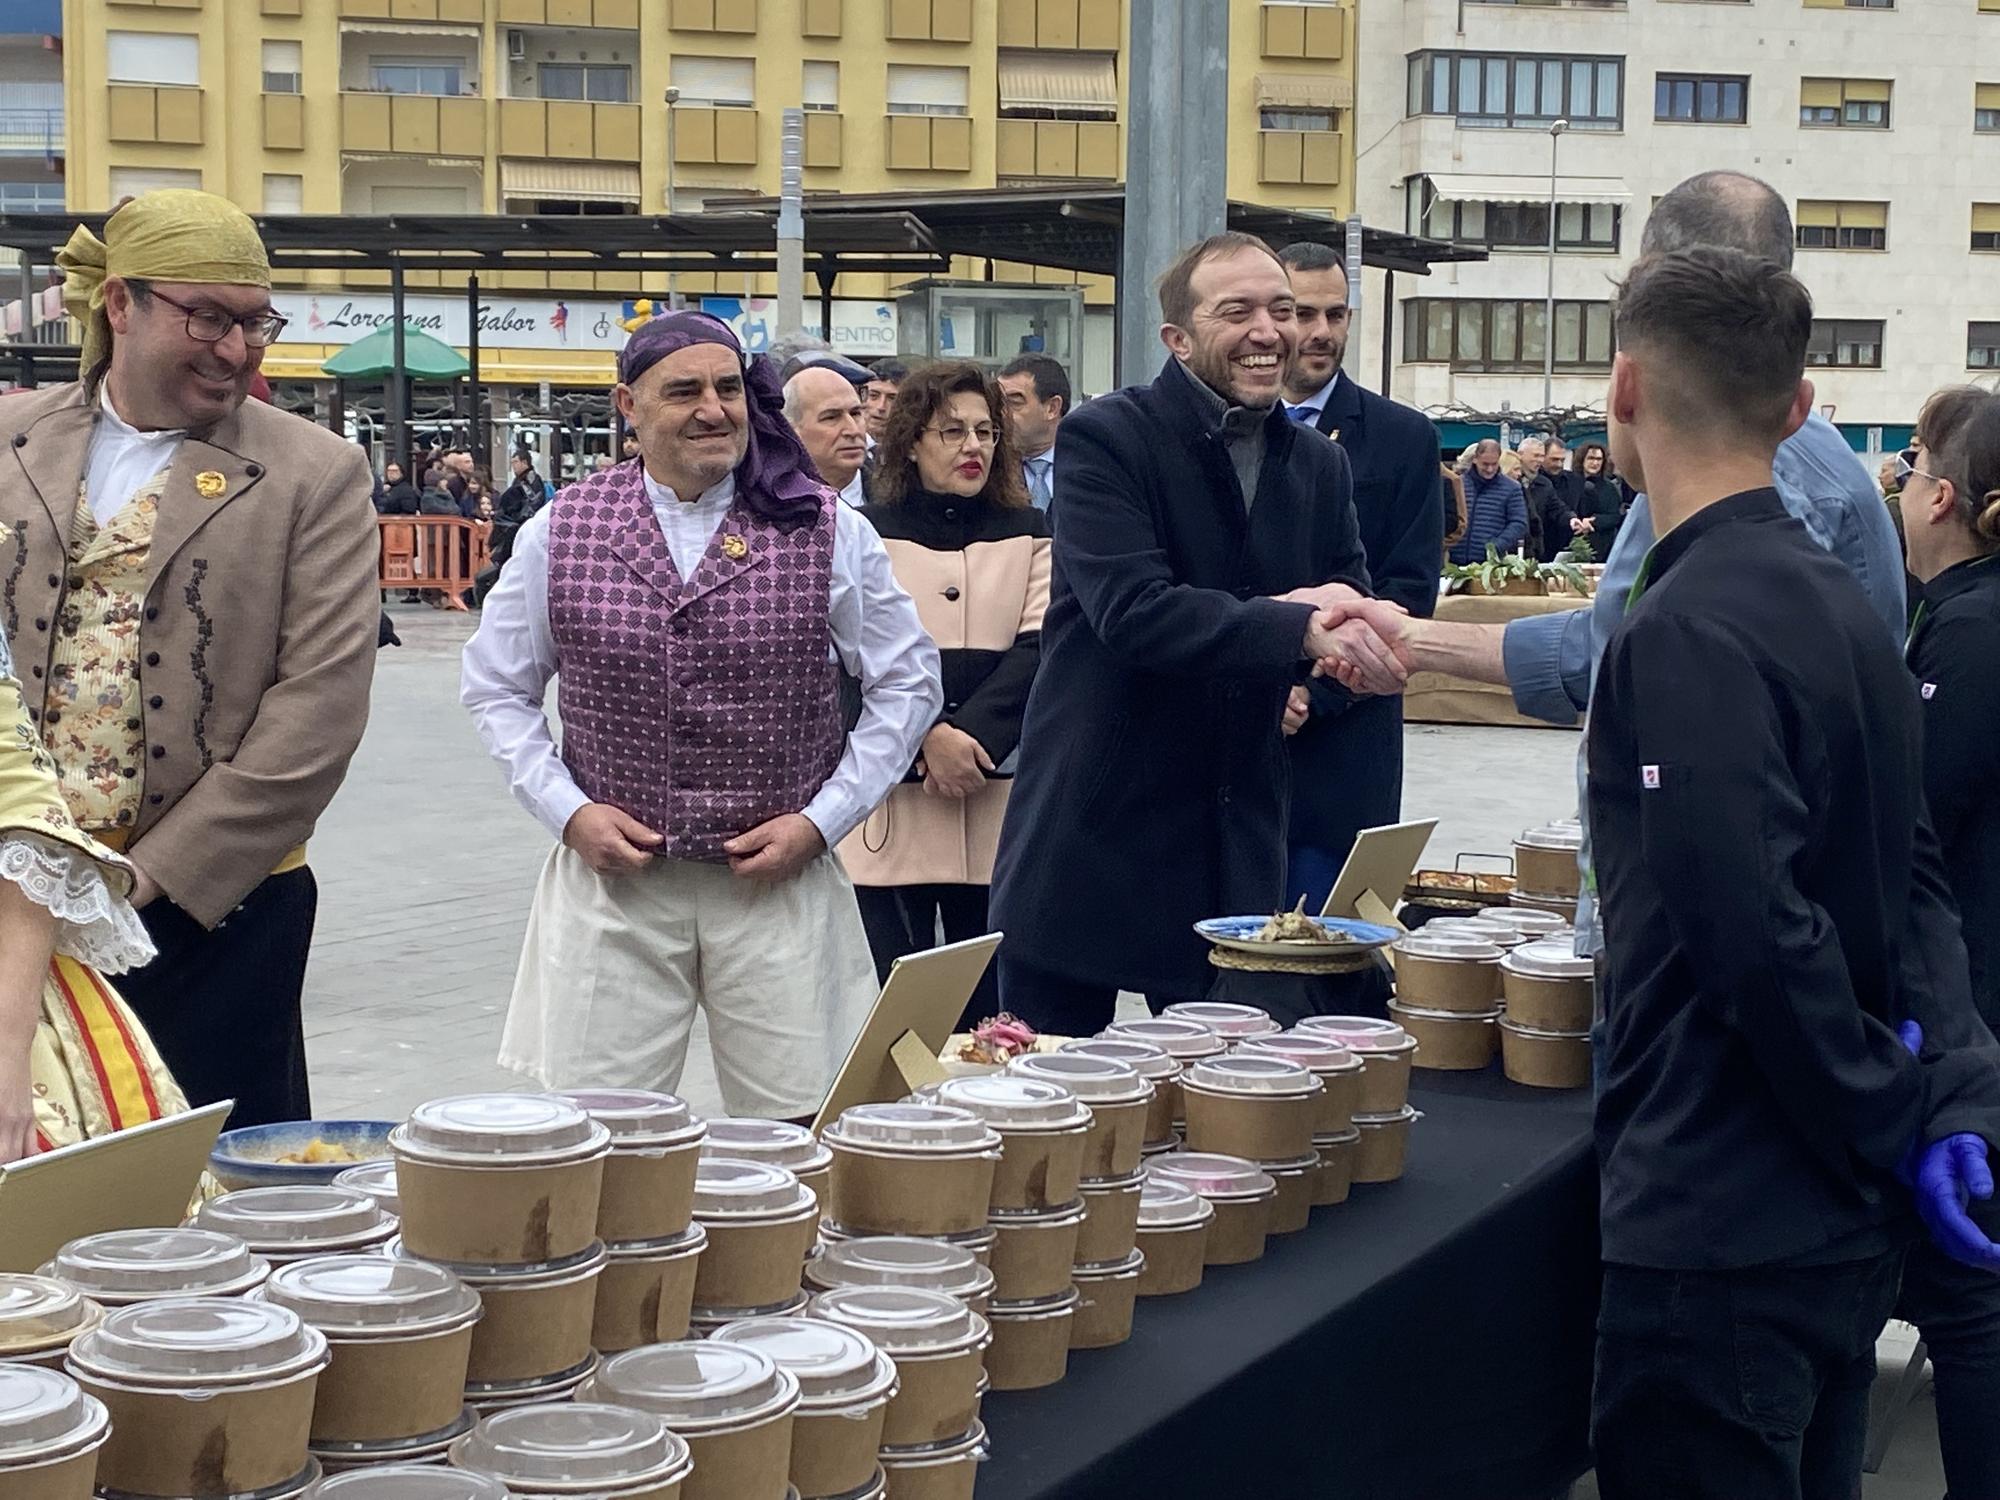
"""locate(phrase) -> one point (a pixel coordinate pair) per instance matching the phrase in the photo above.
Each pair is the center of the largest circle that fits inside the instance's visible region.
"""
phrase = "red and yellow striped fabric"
(94, 1067)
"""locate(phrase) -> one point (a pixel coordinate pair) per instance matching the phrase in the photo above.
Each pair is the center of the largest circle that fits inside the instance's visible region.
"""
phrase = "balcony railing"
(31, 132)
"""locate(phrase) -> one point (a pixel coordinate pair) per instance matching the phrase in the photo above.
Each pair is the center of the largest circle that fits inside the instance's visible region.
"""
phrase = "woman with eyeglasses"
(973, 553)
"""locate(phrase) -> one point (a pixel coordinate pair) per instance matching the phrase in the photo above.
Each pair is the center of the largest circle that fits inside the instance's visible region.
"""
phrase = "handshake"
(1361, 643)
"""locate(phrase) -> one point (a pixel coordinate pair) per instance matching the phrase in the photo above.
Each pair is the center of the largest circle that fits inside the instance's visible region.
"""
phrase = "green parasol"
(373, 357)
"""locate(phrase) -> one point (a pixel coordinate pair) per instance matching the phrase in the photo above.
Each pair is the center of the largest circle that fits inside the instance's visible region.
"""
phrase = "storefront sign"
(858, 327)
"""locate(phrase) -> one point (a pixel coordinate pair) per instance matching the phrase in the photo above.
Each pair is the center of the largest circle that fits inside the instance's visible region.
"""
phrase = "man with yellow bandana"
(188, 583)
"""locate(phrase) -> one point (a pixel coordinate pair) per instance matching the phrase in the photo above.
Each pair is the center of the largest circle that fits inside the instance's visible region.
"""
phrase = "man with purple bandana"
(697, 605)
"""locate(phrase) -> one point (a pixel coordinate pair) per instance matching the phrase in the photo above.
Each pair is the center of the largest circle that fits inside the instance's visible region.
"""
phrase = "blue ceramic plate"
(1241, 933)
(249, 1157)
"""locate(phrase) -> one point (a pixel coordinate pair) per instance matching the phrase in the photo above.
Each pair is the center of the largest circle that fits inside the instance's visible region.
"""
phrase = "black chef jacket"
(1955, 654)
(1770, 911)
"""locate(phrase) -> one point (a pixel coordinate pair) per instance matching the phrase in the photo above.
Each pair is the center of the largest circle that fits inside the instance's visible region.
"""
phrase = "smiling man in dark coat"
(1202, 536)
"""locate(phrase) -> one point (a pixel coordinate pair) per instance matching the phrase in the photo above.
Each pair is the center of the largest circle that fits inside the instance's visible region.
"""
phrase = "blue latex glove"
(1945, 1175)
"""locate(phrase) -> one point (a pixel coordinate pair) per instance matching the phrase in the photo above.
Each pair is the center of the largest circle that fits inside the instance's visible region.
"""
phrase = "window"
(1862, 103)
(130, 182)
(1503, 89)
(1982, 346)
(728, 81)
(919, 90)
(1697, 97)
(414, 75)
(152, 57)
(1516, 226)
(31, 197)
(1986, 108)
(1831, 224)
(1986, 226)
(283, 62)
(1298, 119)
(605, 83)
(820, 89)
(1845, 344)
(1479, 334)
(284, 193)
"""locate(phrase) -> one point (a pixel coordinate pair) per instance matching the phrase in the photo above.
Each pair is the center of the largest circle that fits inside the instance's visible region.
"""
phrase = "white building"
(1878, 120)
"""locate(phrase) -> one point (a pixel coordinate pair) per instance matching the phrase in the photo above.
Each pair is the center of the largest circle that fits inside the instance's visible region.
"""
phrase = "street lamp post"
(673, 97)
(1549, 307)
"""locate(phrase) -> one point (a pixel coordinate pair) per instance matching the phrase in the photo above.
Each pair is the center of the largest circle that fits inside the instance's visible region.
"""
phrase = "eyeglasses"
(1906, 464)
(211, 325)
(954, 434)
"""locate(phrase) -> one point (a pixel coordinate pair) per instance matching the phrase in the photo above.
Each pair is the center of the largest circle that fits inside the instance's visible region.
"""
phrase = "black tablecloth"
(1429, 1339)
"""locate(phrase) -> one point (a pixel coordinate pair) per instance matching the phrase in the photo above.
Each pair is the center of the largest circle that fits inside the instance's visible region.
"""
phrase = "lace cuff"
(97, 927)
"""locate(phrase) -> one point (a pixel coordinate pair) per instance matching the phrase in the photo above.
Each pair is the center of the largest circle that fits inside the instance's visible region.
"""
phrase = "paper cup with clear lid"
(50, 1435)
(1385, 1050)
(761, 1224)
(648, 1190)
(409, 1481)
(1173, 1233)
(1479, 929)
(499, 1179)
(901, 1261)
(1033, 1253)
(399, 1335)
(576, 1449)
(938, 1345)
(1545, 860)
(1183, 1040)
(378, 1180)
(1240, 1192)
(39, 1316)
(1042, 1129)
(1152, 1063)
(1533, 925)
(1258, 1106)
(778, 1142)
(1544, 1059)
(943, 1471)
(1336, 1166)
(845, 1386)
(1337, 1069)
(1105, 1297)
(431, 1448)
(1449, 1041)
(1548, 987)
(734, 1405)
(646, 1293)
(1118, 1098)
(1110, 1219)
(535, 1321)
(298, 1221)
(1449, 971)
(1383, 1149)
(1227, 1020)
(125, 1266)
(1292, 1208)
(1031, 1342)
(978, 1243)
(207, 1395)
(484, 1400)
(911, 1168)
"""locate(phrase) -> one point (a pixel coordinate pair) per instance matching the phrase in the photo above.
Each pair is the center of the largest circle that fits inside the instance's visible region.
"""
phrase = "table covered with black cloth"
(1429, 1339)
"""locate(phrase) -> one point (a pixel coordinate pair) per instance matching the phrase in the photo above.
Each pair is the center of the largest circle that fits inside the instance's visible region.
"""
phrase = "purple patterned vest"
(703, 707)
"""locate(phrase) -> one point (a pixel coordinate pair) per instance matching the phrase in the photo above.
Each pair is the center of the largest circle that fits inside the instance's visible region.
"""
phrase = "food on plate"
(998, 1040)
(321, 1154)
(1295, 926)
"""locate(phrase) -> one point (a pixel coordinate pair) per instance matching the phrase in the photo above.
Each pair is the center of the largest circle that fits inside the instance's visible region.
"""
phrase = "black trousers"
(223, 1007)
(1738, 1385)
(1957, 1310)
(904, 919)
(1067, 1007)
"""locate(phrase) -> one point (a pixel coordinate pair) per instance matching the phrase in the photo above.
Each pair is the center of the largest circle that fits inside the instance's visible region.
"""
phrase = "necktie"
(1039, 489)
(1303, 415)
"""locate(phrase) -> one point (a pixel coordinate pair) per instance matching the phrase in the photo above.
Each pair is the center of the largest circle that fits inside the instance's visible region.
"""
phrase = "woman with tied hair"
(974, 554)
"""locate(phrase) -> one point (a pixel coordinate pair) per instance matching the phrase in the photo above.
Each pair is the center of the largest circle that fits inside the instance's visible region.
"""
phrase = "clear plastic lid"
(296, 1217)
(902, 1320)
(1009, 1101)
(1472, 929)
(1165, 1203)
(1454, 1017)
(901, 1260)
(372, 1295)
(1112, 1270)
(836, 1365)
(1455, 948)
(200, 1341)
(1250, 1073)
(586, 1263)
(912, 1127)
(637, 1117)
(378, 1180)
(1549, 960)
(573, 1444)
(1181, 1040)
(1224, 1018)
(1147, 1059)
(37, 1311)
(408, 1482)
(1211, 1175)
(1399, 1117)
(1359, 1033)
(776, 1141)
(726, 1188)
(1093, 1079)
(44, 1415)
(499, 1130)
(1524, 920)
(690, 1241)
(1316, 1054)
(1564, 834)
(125, 1264)
(697, 1384)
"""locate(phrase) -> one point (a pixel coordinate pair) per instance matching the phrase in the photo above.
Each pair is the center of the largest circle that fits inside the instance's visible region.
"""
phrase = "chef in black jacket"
(1772, 913)
(1347, 752)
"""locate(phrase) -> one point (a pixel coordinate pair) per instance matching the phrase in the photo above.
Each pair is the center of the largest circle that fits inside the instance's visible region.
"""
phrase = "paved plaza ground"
(426, 866)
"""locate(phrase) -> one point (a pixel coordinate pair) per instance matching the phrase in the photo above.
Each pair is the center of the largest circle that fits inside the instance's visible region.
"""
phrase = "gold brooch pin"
(208, 484)
(735, 548)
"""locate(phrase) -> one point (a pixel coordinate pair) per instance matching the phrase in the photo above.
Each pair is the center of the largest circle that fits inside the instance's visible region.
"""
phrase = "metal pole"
(399, 382)
(673, 97)
(1176, 158)
(1549, 307)
(791, 314)
(1388, 326)
(481, 430)
(1351, 248)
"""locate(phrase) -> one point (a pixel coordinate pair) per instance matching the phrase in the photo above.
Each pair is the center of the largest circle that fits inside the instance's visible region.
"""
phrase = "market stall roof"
(373, 357)
(1080, 230)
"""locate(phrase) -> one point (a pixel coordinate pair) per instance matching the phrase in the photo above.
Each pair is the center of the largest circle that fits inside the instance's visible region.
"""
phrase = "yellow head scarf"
(172, 234)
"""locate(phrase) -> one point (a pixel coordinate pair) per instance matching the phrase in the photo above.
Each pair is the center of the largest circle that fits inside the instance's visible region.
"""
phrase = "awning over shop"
(1074, 82)
(581, 181)
(410, 28)
(1304, 91)
(1498, 187)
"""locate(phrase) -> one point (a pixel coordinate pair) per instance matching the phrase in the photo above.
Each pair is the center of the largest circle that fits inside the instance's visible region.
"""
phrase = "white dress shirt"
(1315, 403)
(876, 634)
(853, 493)
(122, 458)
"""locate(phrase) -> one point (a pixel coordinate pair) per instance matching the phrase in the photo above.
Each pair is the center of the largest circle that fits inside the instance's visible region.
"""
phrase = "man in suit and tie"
(1347, 752)
(1037, 392)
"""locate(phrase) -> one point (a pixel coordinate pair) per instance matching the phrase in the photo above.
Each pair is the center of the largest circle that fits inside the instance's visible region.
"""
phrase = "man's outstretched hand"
(1359, 643)
(1945, 1176)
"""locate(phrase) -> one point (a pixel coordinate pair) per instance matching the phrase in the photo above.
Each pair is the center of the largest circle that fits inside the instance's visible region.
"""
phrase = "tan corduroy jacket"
(257, 642)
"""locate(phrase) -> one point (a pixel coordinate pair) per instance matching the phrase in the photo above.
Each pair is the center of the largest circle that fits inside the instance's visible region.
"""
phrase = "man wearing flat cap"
(696, 607)
(188, 582)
